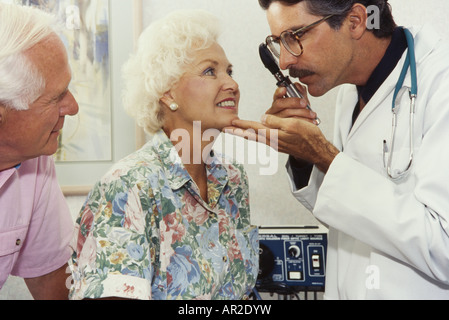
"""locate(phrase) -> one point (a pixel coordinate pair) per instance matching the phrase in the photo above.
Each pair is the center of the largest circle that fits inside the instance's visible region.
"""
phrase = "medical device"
(410, 62)
(292, 259)
(283, 81)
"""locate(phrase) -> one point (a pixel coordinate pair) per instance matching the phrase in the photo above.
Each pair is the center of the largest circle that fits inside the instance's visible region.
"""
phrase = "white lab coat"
(389, 240)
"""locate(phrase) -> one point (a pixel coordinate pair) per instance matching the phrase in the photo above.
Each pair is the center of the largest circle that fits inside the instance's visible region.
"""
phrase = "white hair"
(164, 50)
(21, 28)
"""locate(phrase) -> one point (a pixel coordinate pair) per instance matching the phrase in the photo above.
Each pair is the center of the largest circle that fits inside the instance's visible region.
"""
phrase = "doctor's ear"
(356, 20)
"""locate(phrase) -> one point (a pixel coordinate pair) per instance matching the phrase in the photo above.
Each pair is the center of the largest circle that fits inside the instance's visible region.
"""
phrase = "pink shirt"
(35, 222)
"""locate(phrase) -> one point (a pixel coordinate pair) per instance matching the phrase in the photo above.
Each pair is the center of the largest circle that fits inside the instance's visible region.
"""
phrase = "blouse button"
(18, 242)
(225, 259)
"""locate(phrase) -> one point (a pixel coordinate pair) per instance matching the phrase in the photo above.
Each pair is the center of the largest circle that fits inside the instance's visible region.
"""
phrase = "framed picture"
(99, 36)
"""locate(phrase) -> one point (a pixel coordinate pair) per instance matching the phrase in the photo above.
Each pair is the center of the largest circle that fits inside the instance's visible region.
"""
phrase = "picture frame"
(125, 19)
(125, 24)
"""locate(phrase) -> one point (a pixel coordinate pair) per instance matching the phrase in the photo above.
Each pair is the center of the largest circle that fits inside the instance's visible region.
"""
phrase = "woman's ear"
(167, 99)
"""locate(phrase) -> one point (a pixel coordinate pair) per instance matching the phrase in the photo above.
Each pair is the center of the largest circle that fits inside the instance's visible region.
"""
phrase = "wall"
(244, 28)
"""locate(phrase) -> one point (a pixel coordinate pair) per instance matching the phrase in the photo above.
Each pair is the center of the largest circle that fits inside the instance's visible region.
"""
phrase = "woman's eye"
(209, 72)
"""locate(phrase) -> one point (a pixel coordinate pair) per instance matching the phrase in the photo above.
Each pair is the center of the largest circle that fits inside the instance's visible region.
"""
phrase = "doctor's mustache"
(301, 73)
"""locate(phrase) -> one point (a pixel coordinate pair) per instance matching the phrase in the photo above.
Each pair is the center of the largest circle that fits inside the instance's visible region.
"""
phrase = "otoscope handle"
(271, 64)
(293, 92)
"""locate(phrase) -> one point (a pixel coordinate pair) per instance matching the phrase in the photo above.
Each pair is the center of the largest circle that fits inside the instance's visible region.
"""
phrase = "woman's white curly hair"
(164, 50)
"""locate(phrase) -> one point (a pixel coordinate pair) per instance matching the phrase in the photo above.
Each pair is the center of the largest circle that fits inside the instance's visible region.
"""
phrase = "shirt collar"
(388, 63)
(5, 175)
(170, 160)
(175, 170)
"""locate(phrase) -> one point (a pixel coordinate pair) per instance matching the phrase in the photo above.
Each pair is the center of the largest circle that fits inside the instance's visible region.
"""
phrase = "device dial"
(294, 251)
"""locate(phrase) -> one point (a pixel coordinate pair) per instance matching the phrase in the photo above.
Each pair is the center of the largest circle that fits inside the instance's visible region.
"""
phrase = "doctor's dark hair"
(341, 8)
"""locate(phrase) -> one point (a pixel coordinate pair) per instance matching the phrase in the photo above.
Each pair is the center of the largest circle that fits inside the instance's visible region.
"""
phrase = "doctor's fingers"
(253, 131)
(304, 114)
(282, 92)
(282, 141)
(288, 125)
(303, 90)
(294, 137)
(280, 103)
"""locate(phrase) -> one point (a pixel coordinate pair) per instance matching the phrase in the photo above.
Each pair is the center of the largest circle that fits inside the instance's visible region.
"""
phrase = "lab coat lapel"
(381, 99)
(425, 41)
(346, 102)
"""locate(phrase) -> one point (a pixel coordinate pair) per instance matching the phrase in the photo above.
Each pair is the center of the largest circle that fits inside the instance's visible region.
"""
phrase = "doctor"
(388, 224)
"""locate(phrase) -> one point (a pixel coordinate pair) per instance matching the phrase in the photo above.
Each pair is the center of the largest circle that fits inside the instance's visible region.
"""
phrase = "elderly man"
(387, 215)
(35, 223)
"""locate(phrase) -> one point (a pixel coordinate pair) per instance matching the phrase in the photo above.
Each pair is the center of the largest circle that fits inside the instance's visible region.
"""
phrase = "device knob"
(294, 251)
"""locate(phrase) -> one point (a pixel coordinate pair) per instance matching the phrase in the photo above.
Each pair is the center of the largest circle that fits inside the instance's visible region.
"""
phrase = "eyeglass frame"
(271, 38)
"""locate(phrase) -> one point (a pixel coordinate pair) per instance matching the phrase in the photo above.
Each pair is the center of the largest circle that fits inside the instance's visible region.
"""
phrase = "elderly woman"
(171, 221)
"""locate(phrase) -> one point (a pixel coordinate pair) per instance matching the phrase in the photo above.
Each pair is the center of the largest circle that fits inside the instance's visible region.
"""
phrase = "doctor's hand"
(289, 127)
(297, 137)
(291, 107)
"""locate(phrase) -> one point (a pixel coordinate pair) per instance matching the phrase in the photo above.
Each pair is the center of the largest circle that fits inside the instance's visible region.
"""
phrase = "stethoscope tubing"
(410, 63)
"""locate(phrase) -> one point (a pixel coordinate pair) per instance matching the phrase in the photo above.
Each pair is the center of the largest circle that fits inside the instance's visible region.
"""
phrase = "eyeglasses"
(291, 39)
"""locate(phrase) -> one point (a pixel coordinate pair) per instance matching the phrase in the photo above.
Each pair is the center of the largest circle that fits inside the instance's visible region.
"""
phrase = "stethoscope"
(410, 62)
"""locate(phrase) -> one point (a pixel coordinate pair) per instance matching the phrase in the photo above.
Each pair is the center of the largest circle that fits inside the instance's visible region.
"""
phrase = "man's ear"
(357, 19)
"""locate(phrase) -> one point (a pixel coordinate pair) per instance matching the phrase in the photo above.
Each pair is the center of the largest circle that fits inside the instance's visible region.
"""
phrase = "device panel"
(292, 259)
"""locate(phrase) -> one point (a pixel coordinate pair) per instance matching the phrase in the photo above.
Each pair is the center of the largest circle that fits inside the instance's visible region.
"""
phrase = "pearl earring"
(174, 107)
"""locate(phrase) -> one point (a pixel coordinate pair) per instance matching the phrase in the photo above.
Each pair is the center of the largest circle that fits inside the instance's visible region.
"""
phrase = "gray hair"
(164, 50)
(21, 28)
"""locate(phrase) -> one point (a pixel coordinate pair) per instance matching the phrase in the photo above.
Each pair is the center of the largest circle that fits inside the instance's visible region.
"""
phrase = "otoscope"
(283, 81)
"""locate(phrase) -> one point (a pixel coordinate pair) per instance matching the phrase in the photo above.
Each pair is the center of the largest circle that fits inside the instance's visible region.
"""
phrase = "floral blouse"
(146, 233)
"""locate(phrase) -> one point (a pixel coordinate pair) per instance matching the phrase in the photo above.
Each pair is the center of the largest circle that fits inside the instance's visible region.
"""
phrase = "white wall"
(245, 27)
(415, 12)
